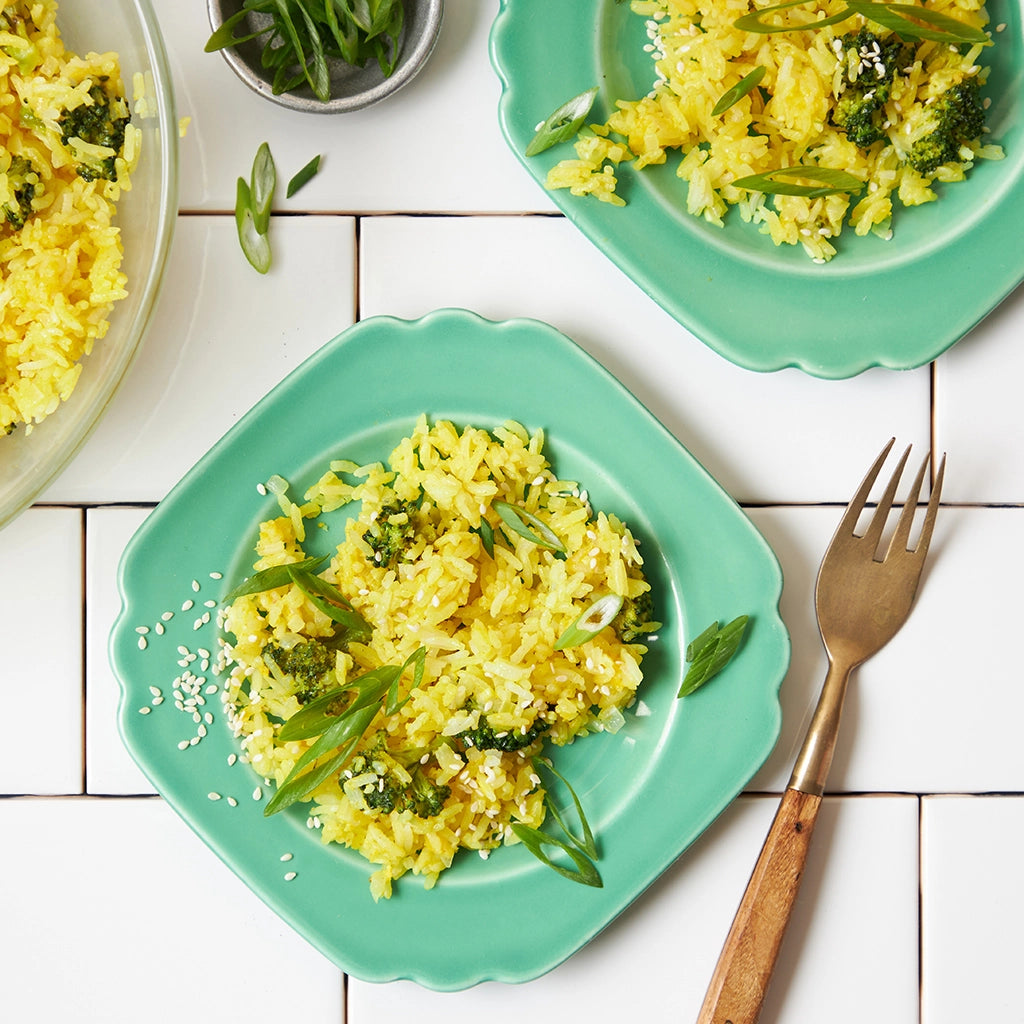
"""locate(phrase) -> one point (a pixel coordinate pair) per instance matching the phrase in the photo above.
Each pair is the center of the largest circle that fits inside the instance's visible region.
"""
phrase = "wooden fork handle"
(738, 986)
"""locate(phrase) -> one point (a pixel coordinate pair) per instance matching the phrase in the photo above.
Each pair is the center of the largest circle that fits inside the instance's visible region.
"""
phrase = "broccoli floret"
(25, 185)
(636, 618)
(484, 736)
(872, 64)
(424, 797)
(99, 123)
(395, 788)
(959, 118)
(391, 532)
(309, 662)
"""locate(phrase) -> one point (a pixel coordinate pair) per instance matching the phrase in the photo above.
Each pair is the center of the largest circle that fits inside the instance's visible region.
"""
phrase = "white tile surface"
(109, 768)
(973, 903)
(442, 149)
(654, 963)
(735, 421)
(222, 337)
(978, 411)
(115, 912)
(40, 641)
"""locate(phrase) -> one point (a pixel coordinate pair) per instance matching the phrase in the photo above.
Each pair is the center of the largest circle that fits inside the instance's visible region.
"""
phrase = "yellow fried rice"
(698, 55)
(60, 270)
(489, 624)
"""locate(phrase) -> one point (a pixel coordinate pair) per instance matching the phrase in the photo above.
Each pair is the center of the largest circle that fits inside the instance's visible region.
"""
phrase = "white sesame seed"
(285, 857)
(257, 793)
(232, 802)
(232, 758)
(157, 701)
(213, 796)
(290, 875)
(144, 711)
(188, 605)
(159, 629)
(216, 575)
(142, 643)
(183, 745)
(142, 630)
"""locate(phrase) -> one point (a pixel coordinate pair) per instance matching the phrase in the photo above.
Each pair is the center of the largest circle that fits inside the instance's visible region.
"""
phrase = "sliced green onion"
(487, 537)
(341, 732)
(517, 519)
(302, 176)
(273, 577)
(563, 123)
(535, 840)
(332, 603)
(906, 20)
(710, 652)
(831, 181)
(262, 182)
(255, 245)
(738, 91)
(582, 852)
(595, 617)
(754, 22)
(586, 844)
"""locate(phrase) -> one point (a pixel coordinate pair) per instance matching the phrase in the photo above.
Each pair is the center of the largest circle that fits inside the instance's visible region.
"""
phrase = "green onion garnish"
(590, 621)
(738, 91)
(517, 519)
(582, 851)
(302, 176)
(563, 123)
(332, 603)
(904, 19)
(710, 652)
(831, 181)
(272, 578)
(262, 182)
(255, 245)
(339, 732)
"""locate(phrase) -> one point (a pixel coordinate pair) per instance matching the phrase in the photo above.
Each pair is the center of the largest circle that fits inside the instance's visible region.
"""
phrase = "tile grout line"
(920, 908)
(83, 643)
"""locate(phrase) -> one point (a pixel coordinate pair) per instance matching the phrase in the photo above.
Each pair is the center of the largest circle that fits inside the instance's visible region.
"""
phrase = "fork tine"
(933, 508)
(901, 536)
(873, 534)
(857, 502)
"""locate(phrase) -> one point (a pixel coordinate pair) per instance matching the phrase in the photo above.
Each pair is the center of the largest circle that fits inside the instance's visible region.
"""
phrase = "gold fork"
(861, 599)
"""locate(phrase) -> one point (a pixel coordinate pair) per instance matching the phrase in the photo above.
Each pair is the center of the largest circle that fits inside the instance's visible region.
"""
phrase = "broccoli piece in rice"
(100, 123)
(309, 662)
(636, 618)
(393, 787)
(392, 531)
(871, 67)
(24, 184)
(956, 118)
(485, 737)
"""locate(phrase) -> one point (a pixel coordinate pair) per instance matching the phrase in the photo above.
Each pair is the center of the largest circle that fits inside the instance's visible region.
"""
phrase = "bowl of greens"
(324, 57)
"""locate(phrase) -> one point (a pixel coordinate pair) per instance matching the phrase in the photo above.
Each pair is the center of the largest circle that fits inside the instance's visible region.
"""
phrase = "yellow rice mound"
(698, 55)
(488, 622)
(60, 270)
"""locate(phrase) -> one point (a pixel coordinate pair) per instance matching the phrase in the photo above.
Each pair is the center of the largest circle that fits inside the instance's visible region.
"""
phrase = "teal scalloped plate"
(895, 304)
(649, 789)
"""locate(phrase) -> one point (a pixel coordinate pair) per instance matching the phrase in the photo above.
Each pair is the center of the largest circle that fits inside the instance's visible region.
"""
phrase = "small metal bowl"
(352, 88)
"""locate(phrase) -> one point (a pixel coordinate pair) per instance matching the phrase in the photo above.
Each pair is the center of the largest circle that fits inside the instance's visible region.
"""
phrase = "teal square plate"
(649, 789)
(895, 304)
